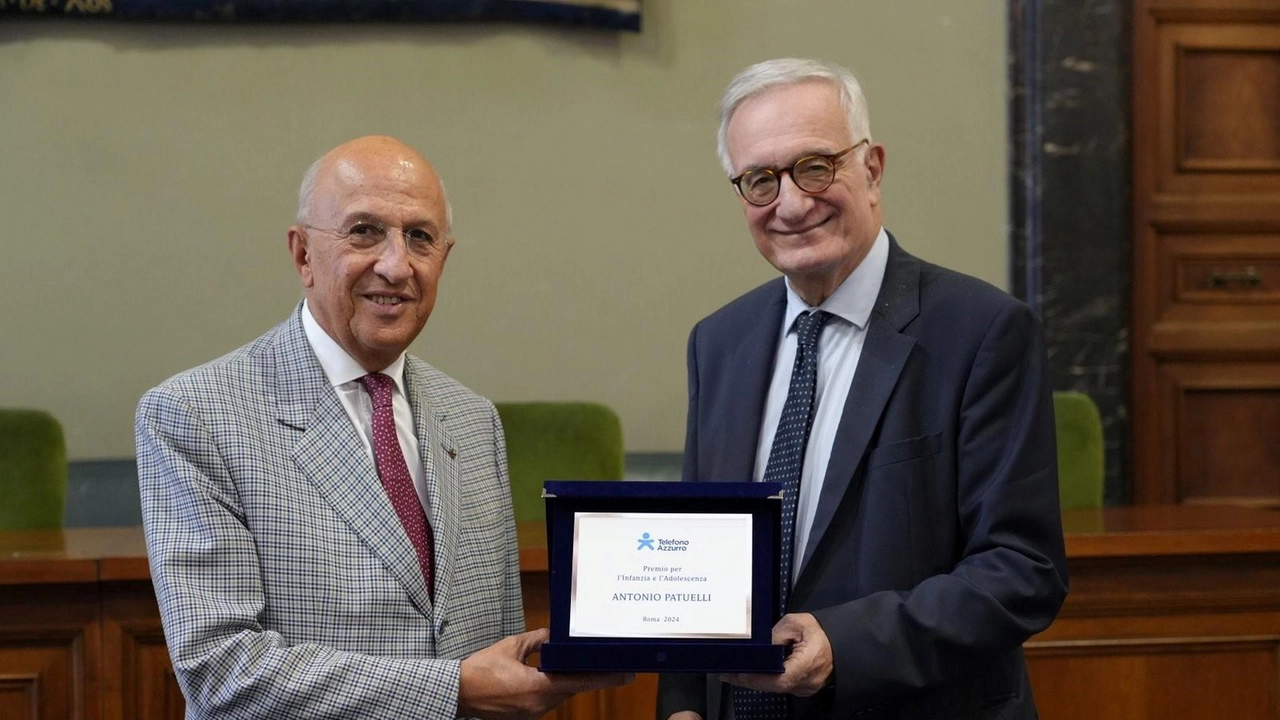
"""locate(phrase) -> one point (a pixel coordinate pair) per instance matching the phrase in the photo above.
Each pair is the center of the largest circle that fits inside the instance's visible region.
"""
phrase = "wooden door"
(1206, 292)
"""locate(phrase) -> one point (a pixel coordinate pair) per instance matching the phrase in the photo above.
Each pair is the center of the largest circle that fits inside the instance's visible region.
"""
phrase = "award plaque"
(662, 576)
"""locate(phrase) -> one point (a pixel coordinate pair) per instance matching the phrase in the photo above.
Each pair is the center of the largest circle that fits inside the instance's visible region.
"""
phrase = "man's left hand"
(806, 670)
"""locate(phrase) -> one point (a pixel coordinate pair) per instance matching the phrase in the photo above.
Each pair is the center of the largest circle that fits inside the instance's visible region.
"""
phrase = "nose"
(793, 203)
(393, 259)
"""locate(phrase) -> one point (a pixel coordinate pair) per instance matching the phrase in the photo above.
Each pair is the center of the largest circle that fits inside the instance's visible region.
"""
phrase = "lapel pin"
(450, 451)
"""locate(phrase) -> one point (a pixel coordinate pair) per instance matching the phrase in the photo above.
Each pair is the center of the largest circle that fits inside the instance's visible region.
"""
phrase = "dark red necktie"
(396, 479)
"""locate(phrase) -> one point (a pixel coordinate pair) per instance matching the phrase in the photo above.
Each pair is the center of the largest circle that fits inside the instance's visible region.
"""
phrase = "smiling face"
(372, 296)
(816, 239)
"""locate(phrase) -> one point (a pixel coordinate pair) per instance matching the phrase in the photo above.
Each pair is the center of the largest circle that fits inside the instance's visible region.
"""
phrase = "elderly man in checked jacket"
(328, 519)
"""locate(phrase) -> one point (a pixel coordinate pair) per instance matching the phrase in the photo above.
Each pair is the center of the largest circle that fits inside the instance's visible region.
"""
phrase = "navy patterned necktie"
(786, 460)
(394, 472)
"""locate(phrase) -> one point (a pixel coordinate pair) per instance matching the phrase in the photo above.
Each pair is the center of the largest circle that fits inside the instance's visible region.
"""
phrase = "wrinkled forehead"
(781, 123)
(373, 186)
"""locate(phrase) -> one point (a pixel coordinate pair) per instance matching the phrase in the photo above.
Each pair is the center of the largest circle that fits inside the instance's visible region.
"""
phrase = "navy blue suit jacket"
(937, 545)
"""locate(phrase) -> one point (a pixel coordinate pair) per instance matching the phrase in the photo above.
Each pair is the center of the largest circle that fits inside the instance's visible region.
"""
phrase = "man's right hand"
(496, 684)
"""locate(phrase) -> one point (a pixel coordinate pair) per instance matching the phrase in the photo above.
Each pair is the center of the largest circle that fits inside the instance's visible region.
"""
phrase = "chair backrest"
(1080, 450)
(33, 470)
(558, 441)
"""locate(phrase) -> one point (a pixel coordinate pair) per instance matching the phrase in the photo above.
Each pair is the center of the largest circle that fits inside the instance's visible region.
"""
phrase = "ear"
(875, 170)
(300, 251)
(444, 255)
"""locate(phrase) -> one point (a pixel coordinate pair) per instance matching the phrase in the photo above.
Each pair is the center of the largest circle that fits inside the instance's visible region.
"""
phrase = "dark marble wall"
(1069, 73)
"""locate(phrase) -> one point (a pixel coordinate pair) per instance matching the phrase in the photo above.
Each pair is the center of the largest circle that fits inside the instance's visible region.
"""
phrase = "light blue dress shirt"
(839, 348)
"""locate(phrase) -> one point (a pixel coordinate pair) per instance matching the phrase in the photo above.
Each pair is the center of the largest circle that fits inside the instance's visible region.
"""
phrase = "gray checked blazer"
(287, 586)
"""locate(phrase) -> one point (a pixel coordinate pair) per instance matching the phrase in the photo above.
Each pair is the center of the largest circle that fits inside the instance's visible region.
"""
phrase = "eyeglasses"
(811, 173)
(366, 235)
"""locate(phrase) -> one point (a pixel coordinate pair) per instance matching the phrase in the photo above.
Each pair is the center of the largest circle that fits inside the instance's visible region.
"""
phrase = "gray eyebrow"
(372, 218)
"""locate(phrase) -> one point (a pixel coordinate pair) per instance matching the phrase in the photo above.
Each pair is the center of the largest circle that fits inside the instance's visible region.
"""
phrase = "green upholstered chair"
(33, 470)
(558, 441)
(1080, 450)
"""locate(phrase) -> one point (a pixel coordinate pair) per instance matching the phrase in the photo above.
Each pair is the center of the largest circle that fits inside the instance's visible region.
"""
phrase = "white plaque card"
(661, 575)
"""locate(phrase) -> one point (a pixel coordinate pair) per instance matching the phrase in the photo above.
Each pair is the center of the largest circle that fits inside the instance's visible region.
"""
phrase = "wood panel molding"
(20, 696)
(1216, 102)
(1206, 212)
(1150, 646)
(1186, 678)
(1244, 79)
(1157, 586)
(1221, 430)
(42, 673)
(148, 688)
(1213, 11)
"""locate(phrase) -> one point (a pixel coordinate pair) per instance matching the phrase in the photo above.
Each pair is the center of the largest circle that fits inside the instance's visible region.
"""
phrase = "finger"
(795, 664)
(787, 630)
(755, 681)
(730, 678)
(576, 683)
(808, 667)
(530, 642)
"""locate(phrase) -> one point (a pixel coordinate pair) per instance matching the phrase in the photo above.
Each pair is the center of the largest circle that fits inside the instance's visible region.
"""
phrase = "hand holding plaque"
(673, 577)
(806, 670)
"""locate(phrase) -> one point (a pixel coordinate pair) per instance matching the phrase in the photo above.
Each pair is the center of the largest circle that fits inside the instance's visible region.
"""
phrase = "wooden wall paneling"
(49, 653)
(1209, 283)
(19, 696)
(1206, 282)
(1150, 464)
(1157, 596)
(633, 702)
(1187, 596)
(1153, 462)
(1218, 89)
(1246, 213)
(1225, 11)
(1163, 624)
(1248, 82)
(1184, 678)
(138, 679)
(1224, 419)
(139, 683)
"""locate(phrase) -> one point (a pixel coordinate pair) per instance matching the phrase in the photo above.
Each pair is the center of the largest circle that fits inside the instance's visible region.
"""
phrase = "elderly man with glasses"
(905, 409)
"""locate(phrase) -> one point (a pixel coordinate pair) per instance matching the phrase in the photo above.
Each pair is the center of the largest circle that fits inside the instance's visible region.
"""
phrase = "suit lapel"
(439, 454)
(884, 353)
(329, 453)
(745, 391)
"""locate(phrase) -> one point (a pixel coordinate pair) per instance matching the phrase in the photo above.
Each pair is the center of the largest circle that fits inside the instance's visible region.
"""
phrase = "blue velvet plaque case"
(564, 652)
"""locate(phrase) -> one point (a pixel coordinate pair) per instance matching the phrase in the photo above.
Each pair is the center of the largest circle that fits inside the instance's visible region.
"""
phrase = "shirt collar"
(338, 366)
(855, 298)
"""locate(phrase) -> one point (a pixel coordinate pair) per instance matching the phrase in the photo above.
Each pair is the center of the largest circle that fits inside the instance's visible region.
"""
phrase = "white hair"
(306, 189)
(791, 71)
(308, 186)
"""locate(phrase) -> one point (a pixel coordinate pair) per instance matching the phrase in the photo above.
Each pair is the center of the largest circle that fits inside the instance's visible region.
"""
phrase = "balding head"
(368, 146)
(372, 236)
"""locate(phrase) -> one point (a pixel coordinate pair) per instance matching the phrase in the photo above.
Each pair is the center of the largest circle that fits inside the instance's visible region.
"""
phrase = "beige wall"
(148, 172)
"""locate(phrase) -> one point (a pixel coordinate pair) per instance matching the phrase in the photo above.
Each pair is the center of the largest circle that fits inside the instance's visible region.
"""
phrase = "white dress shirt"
(839, 349)
(344, 373)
